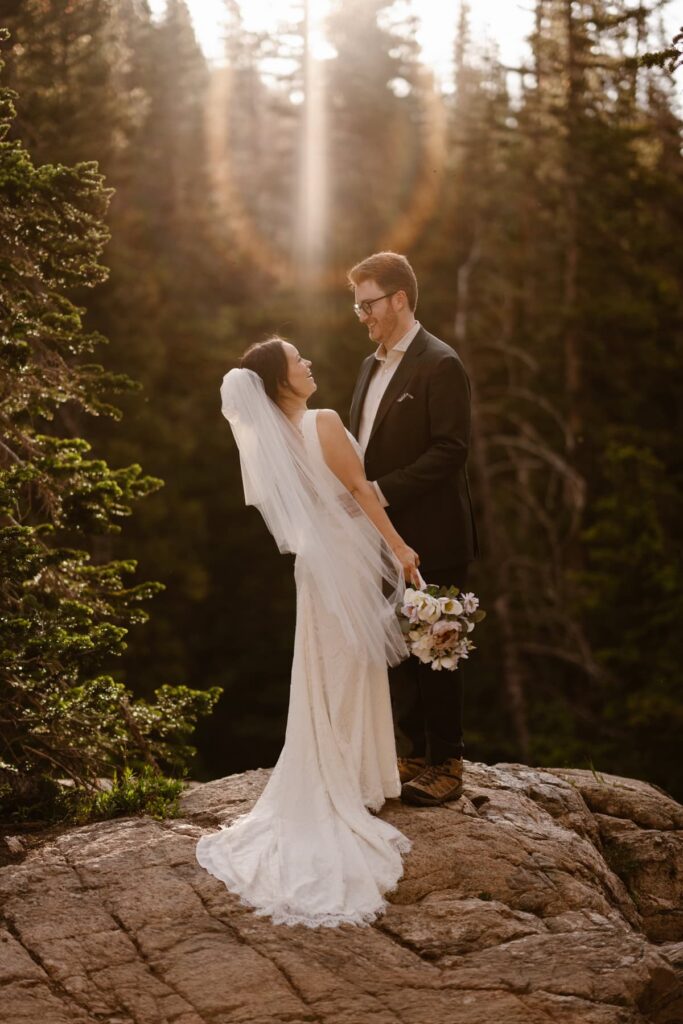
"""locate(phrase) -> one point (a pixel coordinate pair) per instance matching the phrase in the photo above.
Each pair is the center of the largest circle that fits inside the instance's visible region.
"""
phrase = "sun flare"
(507, 22)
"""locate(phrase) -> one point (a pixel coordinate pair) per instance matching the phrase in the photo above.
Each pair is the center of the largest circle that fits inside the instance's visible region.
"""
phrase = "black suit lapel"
(359, 394)
(398, 382)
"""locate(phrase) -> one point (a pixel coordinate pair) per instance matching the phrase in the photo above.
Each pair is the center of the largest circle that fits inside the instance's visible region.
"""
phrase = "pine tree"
(63, 615)
(179, 308)
(568, 319)
(375, 127)
(172, 280)
(70, 65)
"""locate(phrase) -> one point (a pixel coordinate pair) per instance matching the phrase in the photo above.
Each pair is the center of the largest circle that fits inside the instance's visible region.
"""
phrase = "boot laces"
(430, 774)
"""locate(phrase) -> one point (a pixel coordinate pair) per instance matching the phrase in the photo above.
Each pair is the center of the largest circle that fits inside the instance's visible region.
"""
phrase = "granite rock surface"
(543, 895)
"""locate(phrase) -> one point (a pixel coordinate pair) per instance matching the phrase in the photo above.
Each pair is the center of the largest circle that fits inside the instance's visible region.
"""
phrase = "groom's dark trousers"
(428, 706)
(417, 453)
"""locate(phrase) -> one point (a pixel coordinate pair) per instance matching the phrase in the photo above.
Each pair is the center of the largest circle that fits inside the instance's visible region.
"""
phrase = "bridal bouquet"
(437, 622)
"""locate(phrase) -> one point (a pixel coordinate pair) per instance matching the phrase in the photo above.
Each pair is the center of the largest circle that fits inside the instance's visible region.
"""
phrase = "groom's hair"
(390, 270)
(269, 360)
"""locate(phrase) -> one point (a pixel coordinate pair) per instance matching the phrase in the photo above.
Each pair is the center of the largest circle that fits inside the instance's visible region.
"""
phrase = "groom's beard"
(384, 330)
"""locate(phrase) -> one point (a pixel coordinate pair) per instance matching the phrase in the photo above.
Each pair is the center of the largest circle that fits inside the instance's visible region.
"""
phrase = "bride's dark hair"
(268, 359)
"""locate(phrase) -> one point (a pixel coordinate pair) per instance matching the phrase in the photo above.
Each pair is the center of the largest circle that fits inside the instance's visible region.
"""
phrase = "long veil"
(311, 514)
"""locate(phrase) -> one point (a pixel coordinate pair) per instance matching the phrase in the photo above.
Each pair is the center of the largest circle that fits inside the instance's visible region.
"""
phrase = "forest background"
(542, 209)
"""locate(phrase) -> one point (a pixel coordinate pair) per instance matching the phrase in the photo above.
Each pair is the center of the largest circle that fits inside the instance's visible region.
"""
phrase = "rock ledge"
(544, 895)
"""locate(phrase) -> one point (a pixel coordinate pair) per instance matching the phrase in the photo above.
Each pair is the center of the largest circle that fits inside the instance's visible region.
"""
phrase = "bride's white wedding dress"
(309, 852)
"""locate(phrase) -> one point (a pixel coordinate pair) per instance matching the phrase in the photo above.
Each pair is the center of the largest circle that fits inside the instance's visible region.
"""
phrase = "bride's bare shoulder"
(329, 417)
(330, 426)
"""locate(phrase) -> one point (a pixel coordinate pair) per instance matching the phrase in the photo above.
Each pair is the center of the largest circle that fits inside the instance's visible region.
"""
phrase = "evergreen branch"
(670, 58)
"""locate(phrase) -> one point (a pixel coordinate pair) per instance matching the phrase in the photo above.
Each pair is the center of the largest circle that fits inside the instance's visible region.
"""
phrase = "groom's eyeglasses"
(366, 306)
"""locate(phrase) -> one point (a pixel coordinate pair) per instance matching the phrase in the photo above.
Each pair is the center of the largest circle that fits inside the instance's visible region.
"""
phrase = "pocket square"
(406, 394)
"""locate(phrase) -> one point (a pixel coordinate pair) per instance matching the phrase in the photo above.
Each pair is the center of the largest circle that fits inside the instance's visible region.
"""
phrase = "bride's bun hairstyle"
(268, 359)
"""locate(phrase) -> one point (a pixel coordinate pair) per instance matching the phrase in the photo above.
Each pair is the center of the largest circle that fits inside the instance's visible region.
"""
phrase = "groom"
(411, 414)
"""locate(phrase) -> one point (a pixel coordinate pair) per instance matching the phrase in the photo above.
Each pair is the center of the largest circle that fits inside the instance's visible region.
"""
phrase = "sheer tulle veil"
(311, 514)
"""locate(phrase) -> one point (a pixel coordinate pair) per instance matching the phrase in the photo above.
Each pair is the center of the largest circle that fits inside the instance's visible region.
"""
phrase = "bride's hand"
(409, 560)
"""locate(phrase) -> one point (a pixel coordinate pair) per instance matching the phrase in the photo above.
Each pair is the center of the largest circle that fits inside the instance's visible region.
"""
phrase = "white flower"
(470, 627)
(421, 644)
(444, 626)
(450, 606)
(447, 662)
(420, 637)
(470, 603)
(414, 604)
(430, 609)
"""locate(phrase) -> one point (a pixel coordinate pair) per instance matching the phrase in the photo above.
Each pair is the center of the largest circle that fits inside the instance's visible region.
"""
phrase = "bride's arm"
(343, 460)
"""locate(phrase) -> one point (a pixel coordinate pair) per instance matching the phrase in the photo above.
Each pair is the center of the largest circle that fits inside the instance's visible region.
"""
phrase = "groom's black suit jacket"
(417, 450)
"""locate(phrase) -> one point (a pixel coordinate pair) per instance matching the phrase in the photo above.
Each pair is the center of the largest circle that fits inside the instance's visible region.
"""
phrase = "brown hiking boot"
(437, 784)
(410, 767)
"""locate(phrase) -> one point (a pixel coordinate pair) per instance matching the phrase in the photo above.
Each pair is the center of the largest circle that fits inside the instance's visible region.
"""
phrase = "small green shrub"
(145, 792)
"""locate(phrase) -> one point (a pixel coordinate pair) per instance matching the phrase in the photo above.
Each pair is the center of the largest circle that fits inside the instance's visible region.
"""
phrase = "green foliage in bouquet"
(63, 617)
(435, 591)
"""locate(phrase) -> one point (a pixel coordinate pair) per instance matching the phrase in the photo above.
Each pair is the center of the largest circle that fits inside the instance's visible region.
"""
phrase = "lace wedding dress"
(310, 852)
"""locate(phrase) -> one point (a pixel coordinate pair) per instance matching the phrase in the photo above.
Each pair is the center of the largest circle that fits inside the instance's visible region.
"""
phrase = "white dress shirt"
(378, 384)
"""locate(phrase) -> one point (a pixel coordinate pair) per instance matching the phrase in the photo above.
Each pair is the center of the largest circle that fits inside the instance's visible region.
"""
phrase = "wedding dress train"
(310, 852)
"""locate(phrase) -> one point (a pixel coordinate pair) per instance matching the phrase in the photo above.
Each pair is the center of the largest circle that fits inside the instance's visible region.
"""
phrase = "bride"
(310, 852)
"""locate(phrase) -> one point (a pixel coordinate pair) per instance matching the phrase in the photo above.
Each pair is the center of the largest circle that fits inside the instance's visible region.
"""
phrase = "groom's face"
(383, 322)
